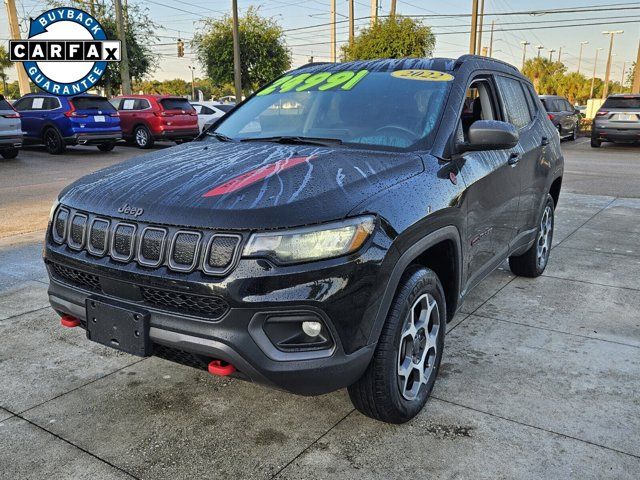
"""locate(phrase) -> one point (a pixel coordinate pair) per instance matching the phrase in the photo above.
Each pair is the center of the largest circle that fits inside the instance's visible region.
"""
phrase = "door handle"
(545, 141)
(514, 158)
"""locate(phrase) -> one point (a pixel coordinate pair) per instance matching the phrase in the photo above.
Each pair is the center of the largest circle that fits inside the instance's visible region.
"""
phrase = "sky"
(183, 18)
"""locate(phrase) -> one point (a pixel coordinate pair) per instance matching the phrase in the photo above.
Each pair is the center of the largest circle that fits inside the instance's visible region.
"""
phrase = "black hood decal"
(280, 185)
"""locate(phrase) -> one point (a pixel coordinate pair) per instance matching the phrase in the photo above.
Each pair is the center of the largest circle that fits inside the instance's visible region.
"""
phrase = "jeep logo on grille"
(129, 210)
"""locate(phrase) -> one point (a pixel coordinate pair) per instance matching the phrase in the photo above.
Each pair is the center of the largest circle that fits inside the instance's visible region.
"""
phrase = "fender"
(445, 233)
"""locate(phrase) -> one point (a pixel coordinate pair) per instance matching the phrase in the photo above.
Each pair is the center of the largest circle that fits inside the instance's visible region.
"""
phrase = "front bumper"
(93, 138)
(341, 294)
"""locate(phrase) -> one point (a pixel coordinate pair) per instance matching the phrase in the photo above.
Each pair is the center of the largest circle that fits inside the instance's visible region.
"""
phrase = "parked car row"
(58, 121)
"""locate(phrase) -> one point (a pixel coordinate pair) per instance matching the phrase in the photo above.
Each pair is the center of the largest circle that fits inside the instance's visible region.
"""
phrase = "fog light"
(312, 329)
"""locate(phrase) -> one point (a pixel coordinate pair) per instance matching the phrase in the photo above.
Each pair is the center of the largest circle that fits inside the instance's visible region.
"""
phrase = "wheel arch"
(554, 190)
(440, 251)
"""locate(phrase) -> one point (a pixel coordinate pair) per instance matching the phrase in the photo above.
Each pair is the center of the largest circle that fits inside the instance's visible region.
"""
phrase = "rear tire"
(595, 143)
(142, 137)
(574, 134)
(405, 364)
(533, 262)
(53, 141)
(106, 147)
(9, 153)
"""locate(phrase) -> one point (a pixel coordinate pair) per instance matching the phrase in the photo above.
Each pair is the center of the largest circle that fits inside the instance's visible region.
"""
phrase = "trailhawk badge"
(67, 51)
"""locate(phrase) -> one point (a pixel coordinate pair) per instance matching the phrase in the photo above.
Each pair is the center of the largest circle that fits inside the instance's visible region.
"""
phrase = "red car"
(147, 118)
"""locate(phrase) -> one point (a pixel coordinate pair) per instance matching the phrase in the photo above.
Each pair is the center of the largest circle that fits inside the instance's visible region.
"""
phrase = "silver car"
(617, 120)
(10, 130)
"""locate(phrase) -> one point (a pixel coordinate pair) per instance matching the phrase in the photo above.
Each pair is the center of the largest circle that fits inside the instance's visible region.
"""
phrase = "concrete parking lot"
(540, 378)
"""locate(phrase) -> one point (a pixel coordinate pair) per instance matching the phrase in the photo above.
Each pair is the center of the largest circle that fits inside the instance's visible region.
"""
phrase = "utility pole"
(474, 27)
(393, 8)
(480, 27)
(635, 86)
(539, 48)
(582, 44)
(593, 78)
(193, 83)
(351, 24)
(551, 52)
(611, 34)
(124, 57)
(12, 15)
(624, 70)
(524, 51)
(374, 12)
(493, 24)
(237, 73)
(333, 31)
(560, 55)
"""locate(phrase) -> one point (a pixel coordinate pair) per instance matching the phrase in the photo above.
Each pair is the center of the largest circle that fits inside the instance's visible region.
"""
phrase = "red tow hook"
(69, 321)
(221, 368)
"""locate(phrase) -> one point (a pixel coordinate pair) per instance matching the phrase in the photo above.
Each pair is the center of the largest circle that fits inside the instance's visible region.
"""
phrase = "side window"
(140, 104)
(531, 100)
(38, 103)
(206, 111)
(50, 103)
(516, 106)
(115, 102)
(479, 104)
(568, 107)
(128, 104)
(23, 105)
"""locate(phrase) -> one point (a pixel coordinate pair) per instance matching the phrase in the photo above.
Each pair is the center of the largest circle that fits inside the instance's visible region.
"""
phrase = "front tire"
(533, 262)
(405, 364)
(595, 143)
(142, 137)
(9, 153)
(53, 141)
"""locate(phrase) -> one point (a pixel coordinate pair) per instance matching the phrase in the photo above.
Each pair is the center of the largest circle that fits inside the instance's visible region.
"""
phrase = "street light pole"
(624, 70)
(524, 51)
(351, 24)
(595, 65)
(237, 73)
(493, 24)
(611, 34)
(374, 11)
(480, 26)
(193, 83)
(551, 52)
(560, 55)
(14, 28)
(539, 48)
(333, 31)
(124, 57)
(474, 27)
(582, 44)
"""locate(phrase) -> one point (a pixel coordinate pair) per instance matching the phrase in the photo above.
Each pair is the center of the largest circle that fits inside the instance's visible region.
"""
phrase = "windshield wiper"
(219, 136)
(297, 140)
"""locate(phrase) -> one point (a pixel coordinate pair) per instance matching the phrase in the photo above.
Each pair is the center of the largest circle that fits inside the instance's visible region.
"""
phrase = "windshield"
(622, 102)
(389, 109)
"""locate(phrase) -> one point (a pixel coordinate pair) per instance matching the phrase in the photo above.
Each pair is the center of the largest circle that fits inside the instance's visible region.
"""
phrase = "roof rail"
(466, 58)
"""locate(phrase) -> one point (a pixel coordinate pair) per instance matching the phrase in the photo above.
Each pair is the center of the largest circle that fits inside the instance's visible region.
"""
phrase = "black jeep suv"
(322, 234)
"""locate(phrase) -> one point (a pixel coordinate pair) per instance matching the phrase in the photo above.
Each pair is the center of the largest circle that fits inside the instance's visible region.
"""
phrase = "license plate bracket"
(118, 327)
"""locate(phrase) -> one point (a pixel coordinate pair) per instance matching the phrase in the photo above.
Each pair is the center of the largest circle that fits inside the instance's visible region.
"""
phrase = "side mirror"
(491, 135)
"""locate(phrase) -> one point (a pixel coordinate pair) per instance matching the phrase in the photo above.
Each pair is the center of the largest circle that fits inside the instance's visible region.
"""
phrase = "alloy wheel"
(544, 237)
(51, 140)
(418, 348)
(141, 137)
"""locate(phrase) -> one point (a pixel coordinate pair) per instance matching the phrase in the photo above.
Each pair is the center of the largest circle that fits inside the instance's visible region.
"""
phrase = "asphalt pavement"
(540, 377)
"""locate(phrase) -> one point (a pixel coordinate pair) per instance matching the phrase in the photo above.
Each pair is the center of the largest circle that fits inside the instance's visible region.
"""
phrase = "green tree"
(4, 64)
(263, 53)
(392, 37)
(544, 74)
(139, 35)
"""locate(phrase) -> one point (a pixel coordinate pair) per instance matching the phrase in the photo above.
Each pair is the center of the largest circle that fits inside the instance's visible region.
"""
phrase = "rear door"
(94, 114)
(23, 107)
(182, 114)
(524, 113)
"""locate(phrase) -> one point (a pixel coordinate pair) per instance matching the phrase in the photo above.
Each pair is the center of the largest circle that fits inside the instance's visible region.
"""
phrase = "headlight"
(311, 243)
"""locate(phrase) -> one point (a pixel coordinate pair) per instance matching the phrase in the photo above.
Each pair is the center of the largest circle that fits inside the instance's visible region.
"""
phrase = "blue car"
(58, 121)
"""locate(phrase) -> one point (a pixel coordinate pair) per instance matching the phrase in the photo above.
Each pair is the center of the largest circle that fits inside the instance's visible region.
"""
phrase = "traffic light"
(180, 48)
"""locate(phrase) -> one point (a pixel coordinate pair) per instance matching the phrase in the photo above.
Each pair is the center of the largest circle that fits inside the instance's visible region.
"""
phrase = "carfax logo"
(67, 51)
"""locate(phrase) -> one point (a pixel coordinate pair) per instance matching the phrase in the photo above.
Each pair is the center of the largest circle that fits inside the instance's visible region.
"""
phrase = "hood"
(225, 185)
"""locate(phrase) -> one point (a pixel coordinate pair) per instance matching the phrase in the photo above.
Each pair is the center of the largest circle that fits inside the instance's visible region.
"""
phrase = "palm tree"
(4, 64)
